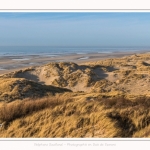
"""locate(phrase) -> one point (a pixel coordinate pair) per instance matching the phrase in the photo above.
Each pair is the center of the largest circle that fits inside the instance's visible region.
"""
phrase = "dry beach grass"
(68, 117)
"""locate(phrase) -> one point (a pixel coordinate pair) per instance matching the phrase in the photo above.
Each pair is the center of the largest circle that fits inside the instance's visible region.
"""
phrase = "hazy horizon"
(72, 29)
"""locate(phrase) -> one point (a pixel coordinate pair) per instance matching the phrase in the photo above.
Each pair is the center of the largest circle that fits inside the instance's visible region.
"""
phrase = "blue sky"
(75, 29)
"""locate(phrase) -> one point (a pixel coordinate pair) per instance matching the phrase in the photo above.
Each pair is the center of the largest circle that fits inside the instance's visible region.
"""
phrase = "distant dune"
(127, 76)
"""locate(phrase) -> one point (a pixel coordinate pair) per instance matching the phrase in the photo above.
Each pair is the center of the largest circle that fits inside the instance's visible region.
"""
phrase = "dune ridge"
(127, 77)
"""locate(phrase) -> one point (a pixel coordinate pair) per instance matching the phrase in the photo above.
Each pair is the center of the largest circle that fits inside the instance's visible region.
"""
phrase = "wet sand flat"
(13, 63)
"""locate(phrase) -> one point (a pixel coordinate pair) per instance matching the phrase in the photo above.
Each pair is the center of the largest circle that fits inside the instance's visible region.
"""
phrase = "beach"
(13, 63)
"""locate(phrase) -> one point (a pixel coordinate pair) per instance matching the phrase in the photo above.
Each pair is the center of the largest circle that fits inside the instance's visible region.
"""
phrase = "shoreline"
(13, 63)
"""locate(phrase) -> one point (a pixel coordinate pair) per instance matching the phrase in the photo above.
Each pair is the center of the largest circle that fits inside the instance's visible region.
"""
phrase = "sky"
(105, 29)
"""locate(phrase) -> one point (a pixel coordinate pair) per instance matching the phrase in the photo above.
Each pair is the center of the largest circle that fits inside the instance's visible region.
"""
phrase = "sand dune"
(127, 76)
(65, 99)
(17, 89)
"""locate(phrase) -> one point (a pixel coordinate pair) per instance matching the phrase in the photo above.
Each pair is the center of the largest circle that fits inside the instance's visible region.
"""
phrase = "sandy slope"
(128, 76)
(16, 88)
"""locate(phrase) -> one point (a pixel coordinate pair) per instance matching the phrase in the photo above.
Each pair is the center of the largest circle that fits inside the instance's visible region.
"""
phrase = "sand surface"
(13, 63)
(119, 75)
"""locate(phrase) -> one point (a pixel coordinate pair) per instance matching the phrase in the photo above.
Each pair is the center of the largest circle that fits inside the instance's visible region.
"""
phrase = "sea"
(57, 51)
